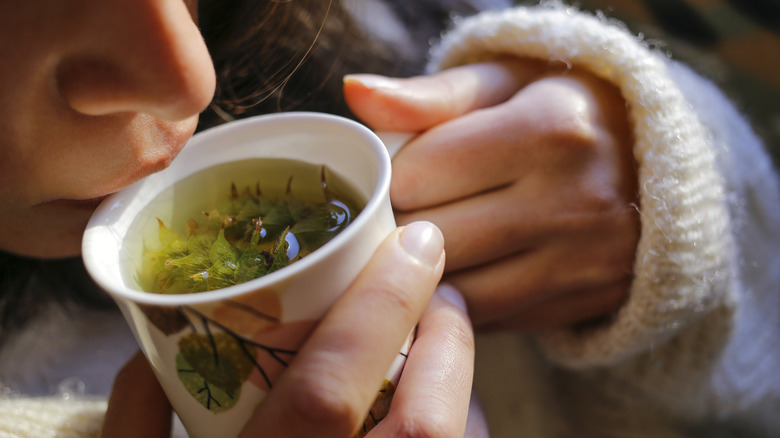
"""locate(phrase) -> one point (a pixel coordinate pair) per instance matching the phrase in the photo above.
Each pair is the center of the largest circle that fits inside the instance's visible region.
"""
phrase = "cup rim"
(96, 229)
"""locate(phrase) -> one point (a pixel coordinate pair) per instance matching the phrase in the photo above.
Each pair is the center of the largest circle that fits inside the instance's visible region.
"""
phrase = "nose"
(142, 56)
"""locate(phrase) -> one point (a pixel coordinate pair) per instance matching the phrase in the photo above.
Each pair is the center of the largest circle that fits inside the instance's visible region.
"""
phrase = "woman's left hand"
(528, 170)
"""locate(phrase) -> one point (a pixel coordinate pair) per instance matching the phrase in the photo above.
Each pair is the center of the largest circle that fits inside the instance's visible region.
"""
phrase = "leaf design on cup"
(169, 320)
(242, 339)
(212, 368)
(272, 361)
(220, 358)
(379, 409)
(249, 314)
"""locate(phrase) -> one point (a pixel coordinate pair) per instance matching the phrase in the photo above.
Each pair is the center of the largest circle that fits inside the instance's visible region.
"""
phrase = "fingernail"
(374, 82)
(424, 241)
(452, 296)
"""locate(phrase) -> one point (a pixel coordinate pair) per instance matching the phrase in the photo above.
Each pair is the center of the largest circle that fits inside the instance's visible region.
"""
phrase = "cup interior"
(113, 242)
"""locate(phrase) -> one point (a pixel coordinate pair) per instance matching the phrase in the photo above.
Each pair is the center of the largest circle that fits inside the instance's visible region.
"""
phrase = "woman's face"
(94, 95)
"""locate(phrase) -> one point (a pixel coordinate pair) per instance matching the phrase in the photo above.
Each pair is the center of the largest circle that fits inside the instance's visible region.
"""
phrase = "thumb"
(418, 103)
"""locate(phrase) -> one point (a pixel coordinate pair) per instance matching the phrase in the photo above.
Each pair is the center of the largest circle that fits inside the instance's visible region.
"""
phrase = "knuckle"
(608, 203)
(614, 264)
(429, 427)
(321, 400)
(572, 138)
(571, 120)
(396, 299)
(597, 192)
(563, 117)
(459, 335)
(405, 187)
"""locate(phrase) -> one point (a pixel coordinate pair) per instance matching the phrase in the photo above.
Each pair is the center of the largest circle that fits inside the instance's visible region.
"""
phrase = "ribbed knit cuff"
(683, 268)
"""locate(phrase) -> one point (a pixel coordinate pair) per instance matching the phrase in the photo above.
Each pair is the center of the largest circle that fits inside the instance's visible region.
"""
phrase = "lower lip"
(81, 204)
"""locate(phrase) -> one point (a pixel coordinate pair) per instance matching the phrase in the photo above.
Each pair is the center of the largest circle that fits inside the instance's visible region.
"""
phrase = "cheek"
(23, 96)
(16, 184)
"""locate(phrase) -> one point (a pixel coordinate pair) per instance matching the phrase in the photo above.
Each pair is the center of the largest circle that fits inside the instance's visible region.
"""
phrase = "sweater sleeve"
(685, 269)
(50, 417)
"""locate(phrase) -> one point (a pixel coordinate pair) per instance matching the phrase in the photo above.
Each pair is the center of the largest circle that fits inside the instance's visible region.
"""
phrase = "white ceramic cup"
(216, 397)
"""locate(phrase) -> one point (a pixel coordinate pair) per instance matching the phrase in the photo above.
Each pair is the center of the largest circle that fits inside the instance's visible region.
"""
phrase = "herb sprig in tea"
(249, 236)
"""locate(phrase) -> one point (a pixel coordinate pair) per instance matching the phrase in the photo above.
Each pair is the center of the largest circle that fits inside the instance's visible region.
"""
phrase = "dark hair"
(282, 55)
(273, 56)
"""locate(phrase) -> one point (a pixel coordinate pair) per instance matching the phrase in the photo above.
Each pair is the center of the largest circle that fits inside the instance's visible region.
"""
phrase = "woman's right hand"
(329, 387)
(333, 381)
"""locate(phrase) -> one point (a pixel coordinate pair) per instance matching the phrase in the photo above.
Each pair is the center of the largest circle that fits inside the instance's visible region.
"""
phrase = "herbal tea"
(239, 221)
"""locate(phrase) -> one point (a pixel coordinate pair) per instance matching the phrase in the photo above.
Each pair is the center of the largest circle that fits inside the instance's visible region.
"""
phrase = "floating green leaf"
(247, 236)
(280, 252)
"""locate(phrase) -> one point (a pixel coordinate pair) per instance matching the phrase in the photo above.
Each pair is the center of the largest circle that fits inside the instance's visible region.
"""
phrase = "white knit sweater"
(696, 349)
(697, 344)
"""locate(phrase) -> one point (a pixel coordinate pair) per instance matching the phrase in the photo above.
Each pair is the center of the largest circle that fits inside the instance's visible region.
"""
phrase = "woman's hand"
(329, 387)
(527, 168)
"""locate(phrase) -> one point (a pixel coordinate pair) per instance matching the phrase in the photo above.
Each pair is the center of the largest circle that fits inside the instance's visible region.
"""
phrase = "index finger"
(558, 125)
(418, 103)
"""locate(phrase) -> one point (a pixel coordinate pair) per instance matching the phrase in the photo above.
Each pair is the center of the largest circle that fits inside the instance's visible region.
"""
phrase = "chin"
(46, 231)
(45, 251)
(66, 246)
